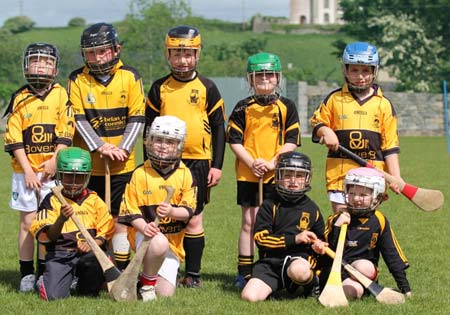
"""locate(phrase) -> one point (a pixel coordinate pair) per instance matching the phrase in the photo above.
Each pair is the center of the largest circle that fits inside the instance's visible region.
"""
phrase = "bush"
(18, 24)
(77, 22)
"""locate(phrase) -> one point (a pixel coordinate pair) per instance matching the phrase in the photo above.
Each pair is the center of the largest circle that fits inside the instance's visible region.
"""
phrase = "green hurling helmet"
(73, 170)
(264, 65)
(263, 62)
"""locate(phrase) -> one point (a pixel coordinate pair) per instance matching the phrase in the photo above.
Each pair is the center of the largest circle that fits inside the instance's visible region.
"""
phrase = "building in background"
(315, 12)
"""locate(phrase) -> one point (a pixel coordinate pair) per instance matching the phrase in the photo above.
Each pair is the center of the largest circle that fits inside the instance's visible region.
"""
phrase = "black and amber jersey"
(38, 124)
(104, 112)
(366, 238)
(197, 102)
(367, 128)
(145, 191)
(90, 209)
(278, 222)
(262, 130)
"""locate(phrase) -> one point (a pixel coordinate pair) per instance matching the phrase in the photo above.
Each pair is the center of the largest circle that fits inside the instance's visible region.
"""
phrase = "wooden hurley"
(383, 295)
(333, 293)
(426, 199)
(110, 271)
(124, 288)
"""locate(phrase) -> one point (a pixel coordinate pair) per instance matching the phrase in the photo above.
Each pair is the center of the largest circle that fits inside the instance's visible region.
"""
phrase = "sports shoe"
(312, 289)
(148, 293)
(191, 282)
(39, 282)
(27, 283)
(240, 281)
(74, 284)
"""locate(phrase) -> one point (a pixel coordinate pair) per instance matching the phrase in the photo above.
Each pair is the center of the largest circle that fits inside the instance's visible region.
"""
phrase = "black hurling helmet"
(292, 162)
(100, 36)
(40, 81)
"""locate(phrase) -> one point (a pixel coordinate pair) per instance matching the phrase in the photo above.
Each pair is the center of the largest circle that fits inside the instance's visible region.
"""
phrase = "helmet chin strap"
(184, 76)
(358, 89)
(266, 99)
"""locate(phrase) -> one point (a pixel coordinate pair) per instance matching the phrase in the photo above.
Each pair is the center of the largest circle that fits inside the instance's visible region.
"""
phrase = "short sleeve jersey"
(90, 209)
(262, 130)
(367, 128)
(38, 124)
(145, 192)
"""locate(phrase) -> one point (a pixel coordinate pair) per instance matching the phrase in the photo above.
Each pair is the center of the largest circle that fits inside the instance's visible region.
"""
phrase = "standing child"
(143, 202)
(40, 123)
(358, 117)
(286, 226)
(264, 115)
(68, 253)
(369, 233)
(186, 94)
(108, 102)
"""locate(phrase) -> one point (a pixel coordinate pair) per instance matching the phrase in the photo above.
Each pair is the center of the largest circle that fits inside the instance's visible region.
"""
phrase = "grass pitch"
(423, 237)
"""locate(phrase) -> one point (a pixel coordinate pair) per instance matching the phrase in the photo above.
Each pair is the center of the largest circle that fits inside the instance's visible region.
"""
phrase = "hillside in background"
(307, 57)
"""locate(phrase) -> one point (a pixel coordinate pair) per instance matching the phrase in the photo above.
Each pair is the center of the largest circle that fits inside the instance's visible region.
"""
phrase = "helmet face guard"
(94, 41)
(73, 170)
(165, 142)
(360, 53)
(264, 65)
(365, 198)
(182, 38)
(40, 65)
(293, 174)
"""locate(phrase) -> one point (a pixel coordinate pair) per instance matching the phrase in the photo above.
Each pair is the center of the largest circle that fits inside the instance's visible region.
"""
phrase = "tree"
(373, 20)
(76, 22)
(407, 52)
(10, 67)
(144, 32)
(18, 24)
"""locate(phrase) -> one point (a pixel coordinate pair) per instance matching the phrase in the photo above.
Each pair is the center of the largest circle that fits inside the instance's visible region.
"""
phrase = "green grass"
(423, 236)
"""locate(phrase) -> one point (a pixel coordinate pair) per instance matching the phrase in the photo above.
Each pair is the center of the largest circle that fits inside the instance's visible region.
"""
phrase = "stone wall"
(419, 114)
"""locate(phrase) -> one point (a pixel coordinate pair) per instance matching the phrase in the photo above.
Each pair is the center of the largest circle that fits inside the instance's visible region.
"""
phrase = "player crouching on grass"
(143, 202)
(284, 230)
(368, 234)
(68, 254)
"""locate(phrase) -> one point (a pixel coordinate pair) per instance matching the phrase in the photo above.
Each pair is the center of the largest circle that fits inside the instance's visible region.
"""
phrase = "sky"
(53, 13)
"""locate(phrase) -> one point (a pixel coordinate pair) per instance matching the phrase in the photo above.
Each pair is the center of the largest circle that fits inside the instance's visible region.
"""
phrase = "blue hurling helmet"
(360, 53)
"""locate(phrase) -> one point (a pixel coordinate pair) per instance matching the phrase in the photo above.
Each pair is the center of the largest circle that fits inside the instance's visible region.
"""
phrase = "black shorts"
(247, 193)
(273, 271)
(200, 170)
(118, 183)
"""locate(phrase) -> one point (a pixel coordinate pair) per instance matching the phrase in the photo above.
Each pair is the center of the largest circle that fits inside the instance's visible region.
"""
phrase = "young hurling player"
(164, 147)
(369, 233)
(358, 117)
(108, 102)
(40, 123)
(186, 94)
(68, 254)
(264, 115)
(286, 226)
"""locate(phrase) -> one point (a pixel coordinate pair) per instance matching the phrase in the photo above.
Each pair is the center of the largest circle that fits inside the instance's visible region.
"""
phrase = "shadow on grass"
(10, 279)
(226, 283)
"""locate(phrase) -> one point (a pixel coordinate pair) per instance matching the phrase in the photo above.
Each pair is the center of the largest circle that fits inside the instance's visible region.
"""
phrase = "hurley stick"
(333, 293)
(383, 295)
(124, 288)
(260, 190)
(425, 199)
(110, 271)
(107, 183)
